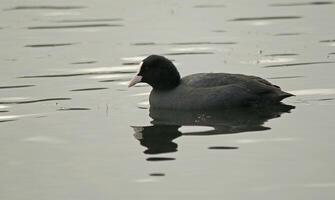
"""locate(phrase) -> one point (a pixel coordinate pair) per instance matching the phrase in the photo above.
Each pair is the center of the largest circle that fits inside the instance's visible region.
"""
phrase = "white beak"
(136, 79)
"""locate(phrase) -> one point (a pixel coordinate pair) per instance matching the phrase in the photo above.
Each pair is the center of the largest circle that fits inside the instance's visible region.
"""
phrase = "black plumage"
(204, 90)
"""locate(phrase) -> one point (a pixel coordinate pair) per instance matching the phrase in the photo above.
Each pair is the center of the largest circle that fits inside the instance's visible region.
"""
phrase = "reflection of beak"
(138, 132)
(136, 79)
(138, 129)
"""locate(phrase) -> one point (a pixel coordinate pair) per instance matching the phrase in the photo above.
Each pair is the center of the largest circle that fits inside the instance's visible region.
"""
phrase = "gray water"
(71, 129)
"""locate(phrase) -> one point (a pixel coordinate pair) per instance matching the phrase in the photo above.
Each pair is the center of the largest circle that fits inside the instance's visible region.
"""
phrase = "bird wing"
(252, 83)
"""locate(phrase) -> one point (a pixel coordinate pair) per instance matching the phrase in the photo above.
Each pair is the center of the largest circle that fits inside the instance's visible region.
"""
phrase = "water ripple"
(16, 86)
(45, 7)
(115, 77)
(210, 6)
(187, 53)
(313, 3)
(327, 41)
(299, 64)
(265, 18)
(222, 148)
(48, 45)
(89, 20)
(33, 101)
(144, 43)
(45, 139)
(89, 89)
(281, 54)
(200, 43)
(84, 62)
(322, 91)
(156, 174)
(287, 34)
(182, 43)
(72, 109)
(87, 72)
(8, 118)
(159, 159)
(285, 77)
(74, 26)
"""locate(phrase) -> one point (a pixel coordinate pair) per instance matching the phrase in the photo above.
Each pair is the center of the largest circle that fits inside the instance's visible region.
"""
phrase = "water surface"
(71, 129)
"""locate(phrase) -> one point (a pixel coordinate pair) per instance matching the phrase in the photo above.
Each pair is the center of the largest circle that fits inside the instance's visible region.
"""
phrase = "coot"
(203, 91)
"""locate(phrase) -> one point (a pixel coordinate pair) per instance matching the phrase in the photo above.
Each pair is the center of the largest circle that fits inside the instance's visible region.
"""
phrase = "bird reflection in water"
(158, 138)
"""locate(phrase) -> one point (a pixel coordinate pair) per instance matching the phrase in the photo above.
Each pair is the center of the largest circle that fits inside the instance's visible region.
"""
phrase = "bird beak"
(136, 79)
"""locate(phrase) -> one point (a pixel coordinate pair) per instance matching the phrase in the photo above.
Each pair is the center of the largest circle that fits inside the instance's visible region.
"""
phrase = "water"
(71, 129)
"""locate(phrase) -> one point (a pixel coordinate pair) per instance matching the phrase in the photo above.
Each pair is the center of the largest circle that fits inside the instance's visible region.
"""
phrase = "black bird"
(203, 91)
